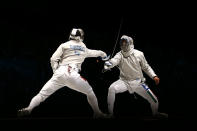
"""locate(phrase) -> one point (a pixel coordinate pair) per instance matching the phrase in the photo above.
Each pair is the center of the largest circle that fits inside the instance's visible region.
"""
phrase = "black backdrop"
(32, 31)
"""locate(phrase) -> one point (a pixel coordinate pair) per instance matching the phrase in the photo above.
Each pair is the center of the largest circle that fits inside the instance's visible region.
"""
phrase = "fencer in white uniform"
(66, 64)
(131, 63)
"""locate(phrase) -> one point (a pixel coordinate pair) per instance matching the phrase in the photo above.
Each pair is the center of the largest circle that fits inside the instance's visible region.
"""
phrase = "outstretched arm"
(96, 53)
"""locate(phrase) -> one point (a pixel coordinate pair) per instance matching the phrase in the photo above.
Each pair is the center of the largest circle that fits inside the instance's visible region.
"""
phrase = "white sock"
(154, 107)
(111, 100)
(36, 100)
(92, 100)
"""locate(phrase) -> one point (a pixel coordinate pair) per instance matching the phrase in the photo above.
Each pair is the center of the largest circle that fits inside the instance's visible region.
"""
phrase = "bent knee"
(89, 92)
(112, 89)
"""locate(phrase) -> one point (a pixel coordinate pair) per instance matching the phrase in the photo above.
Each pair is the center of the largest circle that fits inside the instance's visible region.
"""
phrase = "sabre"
(117, 37)
(110, 56)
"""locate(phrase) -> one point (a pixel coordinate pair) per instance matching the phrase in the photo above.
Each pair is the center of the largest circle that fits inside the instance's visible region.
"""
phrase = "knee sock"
(111, 100)
(36, 100)
(92, 100)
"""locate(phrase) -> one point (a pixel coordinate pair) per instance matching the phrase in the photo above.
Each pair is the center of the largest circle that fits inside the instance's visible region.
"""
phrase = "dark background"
(32, 31)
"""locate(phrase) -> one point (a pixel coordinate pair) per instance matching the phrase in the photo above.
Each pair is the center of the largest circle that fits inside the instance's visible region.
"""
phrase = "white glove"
(107, 65)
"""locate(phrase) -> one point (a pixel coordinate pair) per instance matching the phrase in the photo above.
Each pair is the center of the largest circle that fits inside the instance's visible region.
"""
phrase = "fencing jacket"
(73, 52)
(131, 67)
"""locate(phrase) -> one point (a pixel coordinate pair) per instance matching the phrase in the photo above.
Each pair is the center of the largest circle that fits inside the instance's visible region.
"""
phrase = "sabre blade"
(117, 37)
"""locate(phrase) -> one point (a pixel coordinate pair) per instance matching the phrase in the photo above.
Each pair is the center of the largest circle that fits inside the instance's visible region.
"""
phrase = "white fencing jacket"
(73, 52)
(131, 67)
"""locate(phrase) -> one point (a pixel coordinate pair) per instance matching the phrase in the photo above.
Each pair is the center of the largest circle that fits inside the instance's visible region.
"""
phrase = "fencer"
(131, 62)
(66, 63)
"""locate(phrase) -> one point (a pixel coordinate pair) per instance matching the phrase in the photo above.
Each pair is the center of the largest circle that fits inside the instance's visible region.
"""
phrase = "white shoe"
(111, 116)
(23, 112)
(100, 116)
(161, 115)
